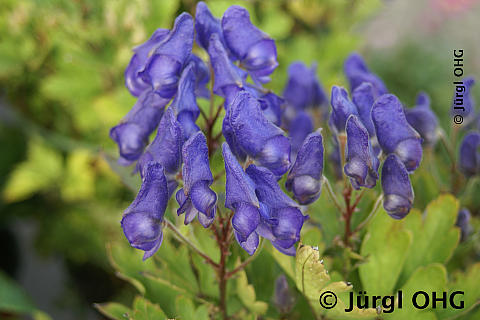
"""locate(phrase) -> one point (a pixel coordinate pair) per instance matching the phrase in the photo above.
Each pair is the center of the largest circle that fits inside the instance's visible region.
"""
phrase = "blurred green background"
(61, 90)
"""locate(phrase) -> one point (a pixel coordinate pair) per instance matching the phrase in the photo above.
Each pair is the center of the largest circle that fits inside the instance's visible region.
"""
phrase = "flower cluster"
(266, 136)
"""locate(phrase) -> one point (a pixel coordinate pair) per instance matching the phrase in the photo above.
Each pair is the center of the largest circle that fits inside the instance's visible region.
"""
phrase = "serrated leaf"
(146, 310)
(385, 247)
(310, 273)
(435, 236)
(113, 310)
(246, 293)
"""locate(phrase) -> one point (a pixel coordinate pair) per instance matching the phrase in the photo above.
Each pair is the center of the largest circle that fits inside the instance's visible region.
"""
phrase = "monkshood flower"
(357, 72)
(185, 103)
(361, 162)
(423, 119)
(363, 97)
(271, 105)
(303, 89)
(255, 49)
(463, 100)
(228, 78)
(134, 83)
(132, 133)
(342, 108)
(142, 220)
(299, 129)
(463, 222)
(394, 134)
(305, 176)
(283, 298)
(165, 149)
(165, 64)
(280, 218)
(397, 189)
(196, 197)
(206, 25)
(256, 135)
(240, 197)
(202, 76)
(469, 160)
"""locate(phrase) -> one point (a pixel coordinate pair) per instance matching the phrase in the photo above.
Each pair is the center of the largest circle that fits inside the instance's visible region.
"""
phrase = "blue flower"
(206, 25)
(280, 218)
(469, 159)
(397, 189)
(342, 108)
(133, 81)
(256, 135)
(357, 72)
(363, 97)
(196, 196)
(298, 130)
(132, 133)
(240, 197)
(202, 76)
(423, 120)
(255, 49)
(305, 176)
(165, 64)
(394, 133)
(463, 222)
(228, 78)
(185, 102)
(166, 149)
(142, 220)
(272, 107)
(303, 88)
(361, 163)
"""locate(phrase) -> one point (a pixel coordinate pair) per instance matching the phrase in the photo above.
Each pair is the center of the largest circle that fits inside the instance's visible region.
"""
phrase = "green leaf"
(12, 297)
(113, 310)
(246, 293)
(41, 170)
(79, 178)
(185, 308)
(435, 236)
(385, 247)
(145, 310)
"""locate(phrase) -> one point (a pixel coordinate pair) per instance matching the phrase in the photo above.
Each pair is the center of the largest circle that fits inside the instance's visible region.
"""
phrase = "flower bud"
(469, 159)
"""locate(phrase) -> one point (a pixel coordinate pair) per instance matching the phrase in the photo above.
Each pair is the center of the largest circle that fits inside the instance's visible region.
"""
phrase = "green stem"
(331, 193)
(372, 213)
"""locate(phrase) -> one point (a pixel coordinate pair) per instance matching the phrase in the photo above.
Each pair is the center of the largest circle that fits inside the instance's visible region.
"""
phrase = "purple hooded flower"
(132, 133)
(240, 197)
(165, 149)
(305, 177)
(256, 135)
(185, 102)
(357, 72)
(255, 49)
(394, 133)
(228, 77)
(283, 298)
(280, 218)
(342, 108)
(196, 196)
(134, 83)
(303, 88)
(463, 103)
(165, 64)
(299, 129)
(469, 159)
(397, 189)
(206, 25)
(363, 97)
(361, 163)
(423, 120)
(202, 76)
(463, 222)
(142, 220)
(271, 105)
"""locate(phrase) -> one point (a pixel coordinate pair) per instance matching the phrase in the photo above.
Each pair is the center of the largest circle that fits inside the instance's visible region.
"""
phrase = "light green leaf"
(246, 293)
(78, 181)
(113, 310)
(42, 169)
(434, 236)
(185, 308)
(145, 310)
(385, 247)
(12, 297)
